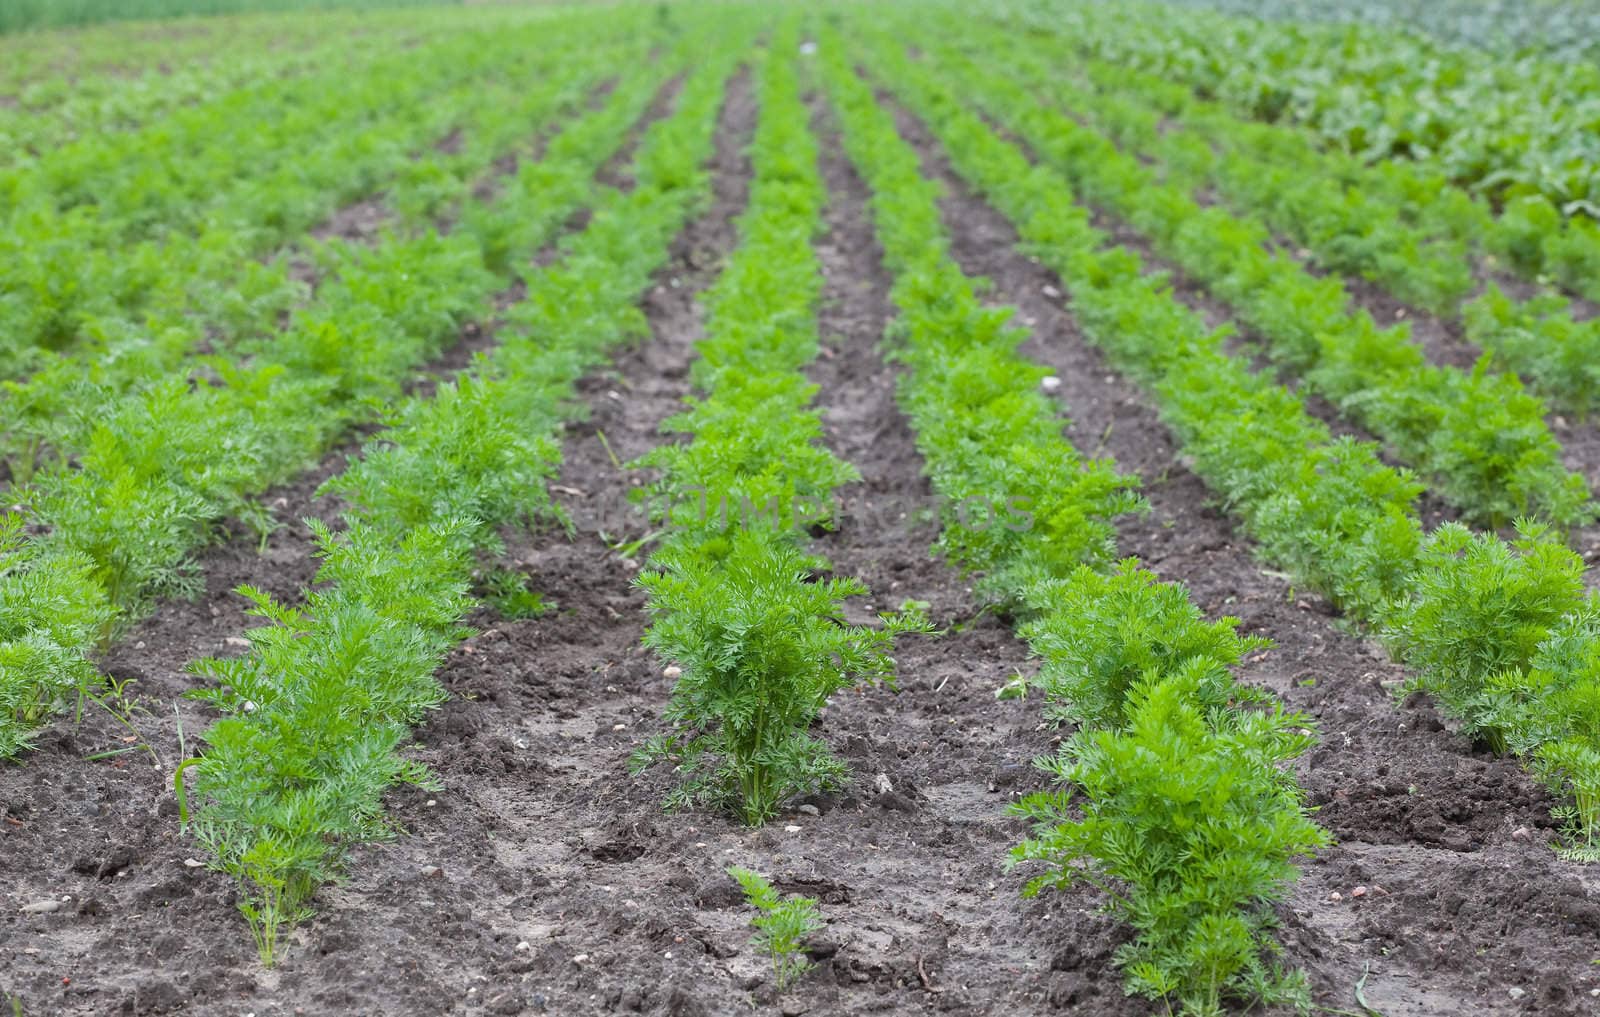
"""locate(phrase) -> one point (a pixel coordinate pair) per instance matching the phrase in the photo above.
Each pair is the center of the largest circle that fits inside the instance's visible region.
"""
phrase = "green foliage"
(1471, 613)
(314, 713)
(1192, 830)
(1019, 500)
(782, 924)
(1183, 811)
(1544, 342)
(48, 610)
(763, 645)
(1505, 128)
(1105, 634)
(1480, 607)
(506, 590)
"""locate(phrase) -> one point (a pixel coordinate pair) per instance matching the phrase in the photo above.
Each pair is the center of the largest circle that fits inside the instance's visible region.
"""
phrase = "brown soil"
(544, 879)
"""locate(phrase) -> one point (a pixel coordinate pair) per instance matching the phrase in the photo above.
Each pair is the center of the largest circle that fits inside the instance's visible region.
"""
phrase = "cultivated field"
(697, 509)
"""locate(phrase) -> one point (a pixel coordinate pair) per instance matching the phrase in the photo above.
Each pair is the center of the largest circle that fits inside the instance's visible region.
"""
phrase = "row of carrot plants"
(1174, 795)
(1394, 224)
(93, 259)
(164, 465)
(1501, 633)
(736, 602)
(1506, 128)
(224, 307)
(318, 712)
(1476, 435)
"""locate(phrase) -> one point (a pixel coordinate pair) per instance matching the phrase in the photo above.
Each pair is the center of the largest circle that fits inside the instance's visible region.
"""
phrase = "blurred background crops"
(17, 15)
(1554, 29)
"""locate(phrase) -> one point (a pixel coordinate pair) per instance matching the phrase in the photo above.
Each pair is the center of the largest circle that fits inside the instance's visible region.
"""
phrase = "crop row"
(1477, 435)
(735, 602)
(1503, 128)
(1173, 794)
(163, 465)
(320, 708)
(1501, 633)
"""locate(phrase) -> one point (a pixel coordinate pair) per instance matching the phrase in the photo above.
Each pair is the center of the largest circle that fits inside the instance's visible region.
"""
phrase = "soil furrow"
(1380, 776)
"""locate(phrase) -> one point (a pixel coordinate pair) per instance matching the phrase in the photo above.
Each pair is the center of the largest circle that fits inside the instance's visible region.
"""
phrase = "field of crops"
(701, 508)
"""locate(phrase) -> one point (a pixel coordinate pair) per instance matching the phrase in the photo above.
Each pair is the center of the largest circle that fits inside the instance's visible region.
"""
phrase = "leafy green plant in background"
(782, 924)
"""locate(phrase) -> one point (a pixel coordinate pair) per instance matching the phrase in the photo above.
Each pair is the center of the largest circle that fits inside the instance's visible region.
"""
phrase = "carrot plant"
(1105, 633)
(782, 924)
(1190, 825)
(763, 646)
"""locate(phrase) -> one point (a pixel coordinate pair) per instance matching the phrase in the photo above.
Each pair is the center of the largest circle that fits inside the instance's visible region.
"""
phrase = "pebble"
(1515, 993)
(580, 958)
(432, 872)
(809, 810)
(882, 783)
(193, 863)
(1336, 896)
(619, 727)
(1050, 291)
(791, 829)
(1521, 833)
(524, 946)
(239, 641)
(672, 671)
(1359, 891)
(1050, 383)
(41, 907)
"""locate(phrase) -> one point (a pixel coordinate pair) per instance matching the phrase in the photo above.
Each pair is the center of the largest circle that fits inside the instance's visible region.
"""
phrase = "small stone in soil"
(809, 810)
